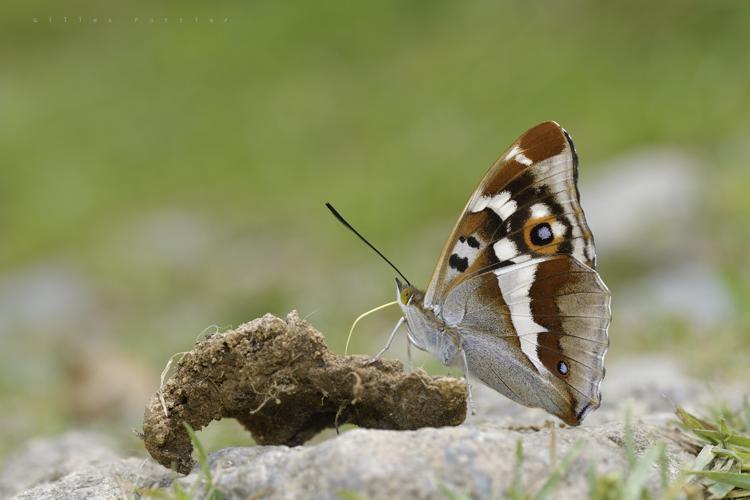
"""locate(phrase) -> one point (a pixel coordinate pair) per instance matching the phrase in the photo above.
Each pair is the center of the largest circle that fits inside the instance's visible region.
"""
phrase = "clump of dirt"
(283, 384)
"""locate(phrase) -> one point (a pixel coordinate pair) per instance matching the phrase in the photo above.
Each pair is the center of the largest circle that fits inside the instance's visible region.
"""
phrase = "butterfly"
(515, 298)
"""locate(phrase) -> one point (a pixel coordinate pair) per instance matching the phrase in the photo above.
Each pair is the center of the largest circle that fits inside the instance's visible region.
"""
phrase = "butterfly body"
(428, 331)
(515, 295)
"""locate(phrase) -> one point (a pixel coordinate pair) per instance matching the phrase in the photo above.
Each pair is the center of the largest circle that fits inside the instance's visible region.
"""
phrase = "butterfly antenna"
(349, 226)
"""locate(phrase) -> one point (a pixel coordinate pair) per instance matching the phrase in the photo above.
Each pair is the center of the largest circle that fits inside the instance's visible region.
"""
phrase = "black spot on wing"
(541, 234)
(458, 263)
(473, 242)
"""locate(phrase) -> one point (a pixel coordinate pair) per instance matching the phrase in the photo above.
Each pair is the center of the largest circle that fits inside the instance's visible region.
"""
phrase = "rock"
(476, 458)
(118, 479)
(74, 465)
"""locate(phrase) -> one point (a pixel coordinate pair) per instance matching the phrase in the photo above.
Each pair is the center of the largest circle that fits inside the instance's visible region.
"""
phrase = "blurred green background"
(160, 179)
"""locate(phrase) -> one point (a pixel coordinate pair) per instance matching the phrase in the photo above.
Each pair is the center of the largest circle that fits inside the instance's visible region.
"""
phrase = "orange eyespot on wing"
(543, 235)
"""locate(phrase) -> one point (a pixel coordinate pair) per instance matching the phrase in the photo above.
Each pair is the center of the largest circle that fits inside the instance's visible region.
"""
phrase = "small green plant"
(723, 464)
(204, 488)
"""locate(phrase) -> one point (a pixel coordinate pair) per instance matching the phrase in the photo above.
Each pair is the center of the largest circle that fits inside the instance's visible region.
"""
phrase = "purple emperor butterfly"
(515, 298)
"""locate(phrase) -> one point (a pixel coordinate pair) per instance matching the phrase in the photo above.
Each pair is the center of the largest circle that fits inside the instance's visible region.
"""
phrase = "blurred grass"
(233, 117)
(240, 130)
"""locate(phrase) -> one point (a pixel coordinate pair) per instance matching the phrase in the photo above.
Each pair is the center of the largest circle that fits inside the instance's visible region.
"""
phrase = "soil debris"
(281, 382)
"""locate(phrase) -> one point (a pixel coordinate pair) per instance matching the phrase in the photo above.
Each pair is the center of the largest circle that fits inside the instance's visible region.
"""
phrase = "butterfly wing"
(536, 332)
(517, 279)
(526, 206)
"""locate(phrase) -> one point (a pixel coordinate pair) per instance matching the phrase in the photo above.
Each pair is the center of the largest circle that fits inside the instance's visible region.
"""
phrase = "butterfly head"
(422, 322)
(405, 293)
(409, 296)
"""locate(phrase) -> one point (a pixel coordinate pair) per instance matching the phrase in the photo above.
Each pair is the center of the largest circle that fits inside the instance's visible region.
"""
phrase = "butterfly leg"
(469, 398)
(390, 341)
(409, 366)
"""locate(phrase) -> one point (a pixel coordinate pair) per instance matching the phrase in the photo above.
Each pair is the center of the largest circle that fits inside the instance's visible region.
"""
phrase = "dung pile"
(282, 383)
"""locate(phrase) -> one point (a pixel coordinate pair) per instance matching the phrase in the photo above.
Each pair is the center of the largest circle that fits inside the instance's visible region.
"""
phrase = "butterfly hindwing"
(541, 341)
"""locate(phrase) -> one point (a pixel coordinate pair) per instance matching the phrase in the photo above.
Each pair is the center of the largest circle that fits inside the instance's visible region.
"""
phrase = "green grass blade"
(515, 490)
(692, 422)
(179, 493)
(154, 493)
(559, 472)
(639, 475)
(739, 440)
(202, 456)
(723, 452)
(704, 458)
(719, 490)
(664, 468)
(210, 490)
(629, 440)
(732, 478)
(593, 482)
(349, 495)
(717, 437)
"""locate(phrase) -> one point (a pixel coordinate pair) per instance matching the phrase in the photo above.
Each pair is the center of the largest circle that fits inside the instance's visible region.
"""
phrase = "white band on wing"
(515, 284)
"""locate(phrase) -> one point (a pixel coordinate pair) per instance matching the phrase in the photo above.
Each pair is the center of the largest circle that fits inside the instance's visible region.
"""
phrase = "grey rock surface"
(116, 479)
(45, 460)
(476, 458)
(76, 465)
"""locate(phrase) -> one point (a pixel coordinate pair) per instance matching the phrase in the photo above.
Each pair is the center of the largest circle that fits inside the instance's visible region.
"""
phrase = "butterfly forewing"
(526, 206)
(517, 279)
